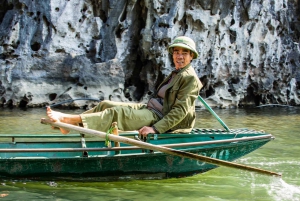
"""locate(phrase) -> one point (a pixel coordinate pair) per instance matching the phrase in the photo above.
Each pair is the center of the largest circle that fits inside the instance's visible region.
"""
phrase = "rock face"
(56, 50)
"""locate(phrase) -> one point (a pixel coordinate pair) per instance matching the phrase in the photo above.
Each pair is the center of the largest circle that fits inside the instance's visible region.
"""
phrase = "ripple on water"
(281, 191)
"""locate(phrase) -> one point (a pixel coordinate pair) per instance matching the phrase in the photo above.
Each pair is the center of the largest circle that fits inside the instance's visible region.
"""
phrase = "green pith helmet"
(185, 42)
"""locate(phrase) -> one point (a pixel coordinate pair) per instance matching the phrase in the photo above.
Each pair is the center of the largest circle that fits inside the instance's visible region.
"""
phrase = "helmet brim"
(170, 49)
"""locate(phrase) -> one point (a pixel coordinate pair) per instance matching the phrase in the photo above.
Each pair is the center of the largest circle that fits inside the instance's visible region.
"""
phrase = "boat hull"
(116, 165)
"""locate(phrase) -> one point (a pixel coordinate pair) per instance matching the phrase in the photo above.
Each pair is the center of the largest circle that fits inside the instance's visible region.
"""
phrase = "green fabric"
(179, 102)
(129, 116)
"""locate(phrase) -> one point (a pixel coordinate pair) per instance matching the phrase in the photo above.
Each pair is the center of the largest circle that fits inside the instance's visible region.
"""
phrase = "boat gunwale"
(194, 133)
(176, 145)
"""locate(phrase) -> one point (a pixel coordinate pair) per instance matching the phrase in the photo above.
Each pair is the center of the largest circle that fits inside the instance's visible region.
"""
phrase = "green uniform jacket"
(179, 102)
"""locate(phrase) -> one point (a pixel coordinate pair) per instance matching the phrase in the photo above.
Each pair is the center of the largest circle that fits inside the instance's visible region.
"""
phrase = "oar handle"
(157, 147)
(213, 113)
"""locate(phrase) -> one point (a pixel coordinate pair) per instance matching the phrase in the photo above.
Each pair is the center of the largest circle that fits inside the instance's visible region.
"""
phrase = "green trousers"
(129, 116)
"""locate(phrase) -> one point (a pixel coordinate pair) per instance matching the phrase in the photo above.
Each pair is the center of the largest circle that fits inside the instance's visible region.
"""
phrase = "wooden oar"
(213, 113)
(158, 148)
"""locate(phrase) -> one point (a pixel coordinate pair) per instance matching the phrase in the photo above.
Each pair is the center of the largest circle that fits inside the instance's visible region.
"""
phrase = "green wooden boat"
(75, 156)
(158, 156)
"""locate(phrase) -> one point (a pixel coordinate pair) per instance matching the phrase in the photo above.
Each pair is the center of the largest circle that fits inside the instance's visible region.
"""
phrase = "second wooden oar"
(158, 148)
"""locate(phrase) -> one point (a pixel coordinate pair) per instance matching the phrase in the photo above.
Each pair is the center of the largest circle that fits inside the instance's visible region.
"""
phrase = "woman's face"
(182, 57)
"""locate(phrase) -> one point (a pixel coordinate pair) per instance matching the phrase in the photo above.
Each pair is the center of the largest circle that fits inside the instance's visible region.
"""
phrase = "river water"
(221, 184)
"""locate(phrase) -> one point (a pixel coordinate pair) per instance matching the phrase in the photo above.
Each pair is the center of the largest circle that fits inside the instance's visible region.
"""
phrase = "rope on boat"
(107, 141)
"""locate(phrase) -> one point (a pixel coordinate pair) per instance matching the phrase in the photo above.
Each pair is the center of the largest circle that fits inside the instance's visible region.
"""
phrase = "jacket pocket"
(172, 94)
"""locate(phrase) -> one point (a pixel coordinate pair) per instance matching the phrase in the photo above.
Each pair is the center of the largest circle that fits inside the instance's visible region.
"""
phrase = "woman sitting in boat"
(172, 109)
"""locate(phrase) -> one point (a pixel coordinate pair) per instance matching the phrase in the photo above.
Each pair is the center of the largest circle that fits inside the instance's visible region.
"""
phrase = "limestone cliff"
(55, 50)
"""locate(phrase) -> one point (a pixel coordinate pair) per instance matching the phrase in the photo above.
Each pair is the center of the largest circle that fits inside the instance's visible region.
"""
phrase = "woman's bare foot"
(57, 117)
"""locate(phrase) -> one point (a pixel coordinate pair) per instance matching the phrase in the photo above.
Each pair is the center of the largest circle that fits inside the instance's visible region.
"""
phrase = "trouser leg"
(127, 118)
(109, 104)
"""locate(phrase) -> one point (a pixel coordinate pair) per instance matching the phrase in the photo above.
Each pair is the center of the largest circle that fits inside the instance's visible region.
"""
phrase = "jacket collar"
(175, 78)
(181, 69)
